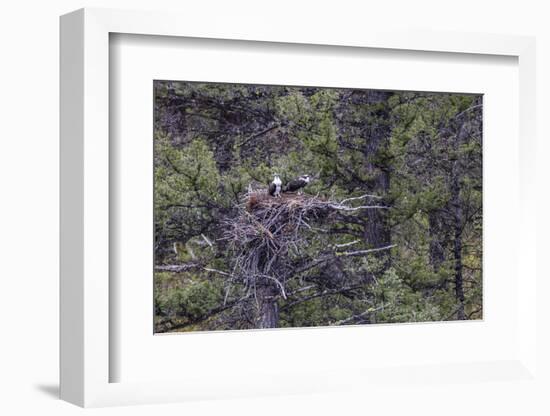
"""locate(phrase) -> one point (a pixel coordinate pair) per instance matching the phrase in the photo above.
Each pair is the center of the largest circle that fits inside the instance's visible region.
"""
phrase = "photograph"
(237, 208)
(280, 206)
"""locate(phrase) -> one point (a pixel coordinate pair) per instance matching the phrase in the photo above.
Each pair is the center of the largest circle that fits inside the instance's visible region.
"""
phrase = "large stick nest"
(269, 231)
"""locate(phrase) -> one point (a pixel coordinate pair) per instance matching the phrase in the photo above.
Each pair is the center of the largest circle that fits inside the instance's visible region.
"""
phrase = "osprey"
(275, 186)
(297, 184)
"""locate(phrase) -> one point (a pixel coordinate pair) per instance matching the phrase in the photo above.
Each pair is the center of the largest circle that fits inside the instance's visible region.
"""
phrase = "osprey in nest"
(275, 186)
(297, 184)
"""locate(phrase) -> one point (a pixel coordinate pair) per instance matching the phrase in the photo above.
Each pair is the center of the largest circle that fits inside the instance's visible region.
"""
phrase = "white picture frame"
(85, 217)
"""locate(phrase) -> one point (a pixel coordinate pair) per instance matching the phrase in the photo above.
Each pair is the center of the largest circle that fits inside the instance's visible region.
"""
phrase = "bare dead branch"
(358, 316)
(209, 269)
(348, 200)
(326, 292)
(283, 294)
(207, 240)
(300, 290)
(346, 208)
(363, 252)
(178, 268)
(347, 244)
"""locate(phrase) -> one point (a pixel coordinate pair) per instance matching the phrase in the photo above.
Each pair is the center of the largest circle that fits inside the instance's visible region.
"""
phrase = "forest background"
(391, 229)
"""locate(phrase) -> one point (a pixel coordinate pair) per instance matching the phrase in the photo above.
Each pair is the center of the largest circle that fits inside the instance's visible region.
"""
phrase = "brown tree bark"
(437, 252)
(377, 231)
(458, 219)
(268, 309)
(457, 246)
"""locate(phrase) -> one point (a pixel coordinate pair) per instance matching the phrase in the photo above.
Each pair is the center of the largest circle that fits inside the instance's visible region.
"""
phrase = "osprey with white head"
(297, 184)
(275, 186)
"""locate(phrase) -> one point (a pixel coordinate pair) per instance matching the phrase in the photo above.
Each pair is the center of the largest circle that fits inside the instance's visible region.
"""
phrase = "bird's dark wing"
(271, 189)
(294, 185)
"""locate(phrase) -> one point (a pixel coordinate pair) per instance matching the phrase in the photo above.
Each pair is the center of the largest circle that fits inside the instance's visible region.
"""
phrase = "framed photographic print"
(268, 213)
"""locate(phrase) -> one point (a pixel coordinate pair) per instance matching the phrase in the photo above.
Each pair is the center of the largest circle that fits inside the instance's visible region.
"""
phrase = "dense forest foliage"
(388, 230)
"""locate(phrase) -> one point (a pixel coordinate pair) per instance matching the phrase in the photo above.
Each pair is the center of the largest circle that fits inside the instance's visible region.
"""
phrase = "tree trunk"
(268, 309)
(377, 234)
(457, 247)
(377, 230)
(437, 253)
